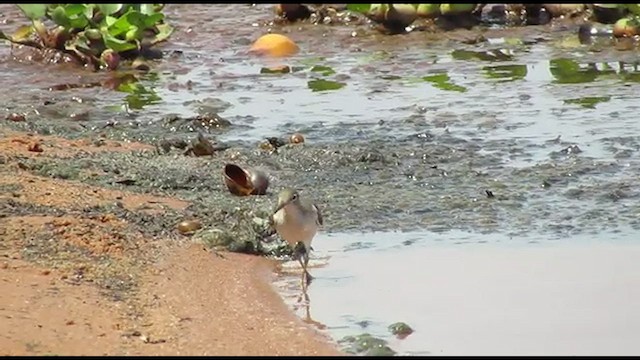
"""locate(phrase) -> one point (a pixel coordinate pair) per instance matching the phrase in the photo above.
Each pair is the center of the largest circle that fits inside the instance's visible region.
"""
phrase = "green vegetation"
(97, 35)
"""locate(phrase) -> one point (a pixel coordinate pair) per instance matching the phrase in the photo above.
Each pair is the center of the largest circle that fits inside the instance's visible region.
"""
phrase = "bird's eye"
(294, 197)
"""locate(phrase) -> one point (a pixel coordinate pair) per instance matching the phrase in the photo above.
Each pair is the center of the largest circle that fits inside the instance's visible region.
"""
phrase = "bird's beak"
(280, 206)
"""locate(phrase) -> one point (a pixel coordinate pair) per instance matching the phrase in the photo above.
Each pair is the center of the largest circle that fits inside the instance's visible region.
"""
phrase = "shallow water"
(473, 294)
(451, 120)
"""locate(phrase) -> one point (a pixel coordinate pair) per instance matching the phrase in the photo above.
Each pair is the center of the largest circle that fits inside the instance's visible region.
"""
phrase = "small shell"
(188, 226)
(296, 138)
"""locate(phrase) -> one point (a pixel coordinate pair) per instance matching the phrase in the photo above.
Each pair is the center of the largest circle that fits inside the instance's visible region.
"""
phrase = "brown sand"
(189, 301)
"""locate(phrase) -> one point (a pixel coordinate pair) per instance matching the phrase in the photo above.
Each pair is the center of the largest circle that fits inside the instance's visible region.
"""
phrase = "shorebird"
(296, 220)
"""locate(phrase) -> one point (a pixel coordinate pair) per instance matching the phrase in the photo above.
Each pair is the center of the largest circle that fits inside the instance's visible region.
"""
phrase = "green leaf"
(70, 16)
(110, 20)
(324, 70)
(121, 26)
(611, 6)
(74, 9)
(3, 36)
(134, 33)
(148, 9)
(276, 70)
(506, 72)
(153, 19)
(88, 11)
(108, 9)
(442, 81)
(33, 11)
(59, 16)
(79, 22)
(164, 31)
(361, 8)
(137, 19)
(139, 96)
(588, 102)
(117, 45)
(567, 71)
(324, 85)
(22, 33)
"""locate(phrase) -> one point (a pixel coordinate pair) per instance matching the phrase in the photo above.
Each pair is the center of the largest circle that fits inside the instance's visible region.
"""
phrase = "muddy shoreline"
(130, 293)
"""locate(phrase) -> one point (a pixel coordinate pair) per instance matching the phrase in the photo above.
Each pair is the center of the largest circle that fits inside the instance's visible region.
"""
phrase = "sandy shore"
(195, 304)
(59, 296)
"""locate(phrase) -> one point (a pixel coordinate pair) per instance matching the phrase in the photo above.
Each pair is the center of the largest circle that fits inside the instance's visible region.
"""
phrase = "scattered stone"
(400, 329)
(35, 147)
(16, 117)
(366, 344)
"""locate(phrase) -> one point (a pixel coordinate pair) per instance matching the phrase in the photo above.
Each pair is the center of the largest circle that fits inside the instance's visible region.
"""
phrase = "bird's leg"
(302, 255)
(304, 267)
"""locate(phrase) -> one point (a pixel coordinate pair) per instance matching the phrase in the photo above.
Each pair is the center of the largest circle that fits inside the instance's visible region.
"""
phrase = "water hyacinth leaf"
(284, 69)
(506, 72)
(151, 20)
(121, 26)
(110, 20)
(74, 9)
(133, 34)
(428, 10)
(456, 8)
(79, 22)
(89, 10)
(116, 44)
(567, 71)
(69, 16)
(443, 82)
(324, 70)
(59, 16)
(361, 8)
(109, 9)
(148, 9)
(589, 102)
(634, 8)
(137, 19)
(22, 33)
(81, 42)
(164, 31)
(324, 85)
(139, 96)
(33, 11)
(611, 6)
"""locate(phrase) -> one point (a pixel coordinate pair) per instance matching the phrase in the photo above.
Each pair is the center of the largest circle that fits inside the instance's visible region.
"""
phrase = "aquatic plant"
(96, 35)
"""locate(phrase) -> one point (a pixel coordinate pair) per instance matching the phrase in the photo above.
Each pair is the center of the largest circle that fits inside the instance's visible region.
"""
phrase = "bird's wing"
(320, 220)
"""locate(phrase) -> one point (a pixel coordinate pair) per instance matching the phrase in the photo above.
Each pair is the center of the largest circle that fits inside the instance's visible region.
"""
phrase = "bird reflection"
(304, 302)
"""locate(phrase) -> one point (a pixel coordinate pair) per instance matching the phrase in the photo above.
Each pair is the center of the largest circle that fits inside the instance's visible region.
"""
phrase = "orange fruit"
(274, 45)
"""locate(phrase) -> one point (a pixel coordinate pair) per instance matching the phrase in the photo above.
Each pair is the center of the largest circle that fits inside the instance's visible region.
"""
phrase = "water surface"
(419, 132)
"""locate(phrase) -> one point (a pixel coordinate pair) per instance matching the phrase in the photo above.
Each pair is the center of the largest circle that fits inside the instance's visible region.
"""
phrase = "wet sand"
(490, 299)
(194, 303)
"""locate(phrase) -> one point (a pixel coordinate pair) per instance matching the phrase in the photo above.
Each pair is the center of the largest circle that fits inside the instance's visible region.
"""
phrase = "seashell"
(245, 182)
(296, 138)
